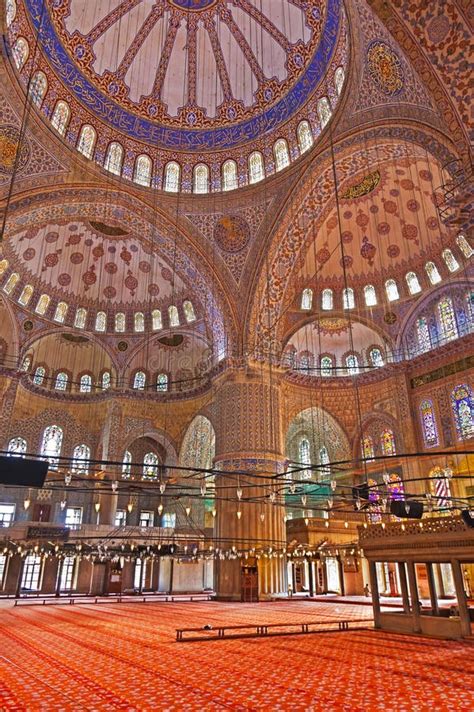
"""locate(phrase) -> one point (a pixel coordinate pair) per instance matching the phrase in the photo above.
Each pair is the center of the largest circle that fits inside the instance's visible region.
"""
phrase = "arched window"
(38, 378)
(470, 305)
(87, 139)
(387, 442)
(60, 383)
(352, 364)
(120, 322)
(304, 454)
(25, 366)
(412, 283)
(3, 266)
(339, 77)
(172, 177)
(464, 246)
(139, 381)
(370, 295)
(395, 487)
(289, 356)
(451, 262)
(20, 52)
(201, 178)
(150, 466)
(423, 334)
(106, 380)
(447, 319)
(17, 447)
(60, 117)
(80, 459)
(173, 315)
(432, 272)
(127, 464)
(80, 318)
(26, 294)
(326, 366)
(327, 300)
(306, 362)
(229, 175)
(376, 358)
(375, 508)
(85, 384)
(463, 409)
(142, 171)
(139, 321)
(162, 382)
(10, 11)
(281, 154)
(325, 470)
(60, 313)
(324, 111)
(256, 167)
(348, 299)
(307, 299)
(51, 444)
(42, 304)
(156, 320)
(428, 423)
(101, 321)
(188, 309)
(368, 448)
(11, 283)
(114, 158)
(305, 136)
(439, 485)
(391, 290)
(38, 87)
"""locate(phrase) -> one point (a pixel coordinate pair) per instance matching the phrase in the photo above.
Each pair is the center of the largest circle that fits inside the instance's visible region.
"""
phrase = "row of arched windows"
(305, 458)
(462, 404)
(61, 380)
(306, 362)
(387, 445)
(140, 382)
(51, 444)
(442, 324)
(151, 464)
(143, 166)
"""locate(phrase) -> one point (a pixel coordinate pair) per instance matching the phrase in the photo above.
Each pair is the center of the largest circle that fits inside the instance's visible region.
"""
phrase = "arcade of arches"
(237, 307)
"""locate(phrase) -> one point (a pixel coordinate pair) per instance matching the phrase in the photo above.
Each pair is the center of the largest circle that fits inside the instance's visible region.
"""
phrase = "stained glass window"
(162, 382)
(327, 300)
(229, 175)
(26, 294)
(289, 357)
(139, 381)
(375, 507)
(451, 262)
(60, 117)
(127, 464)
(80, 459)
(173, 315)
(391, 290)
(51, 444)
(101, 321)
(324, 461)
(26, 363)
(370, 295)
(387, 441)
(470, 305)
(307, 299)
(305, 136)
(87, 139)
(38, 87)
(188, 309)
(348, 300)
(368, 452)
(304, 454)
(80, 318)
(464, 246)
(447, 319)
(172, 177)
(324, 111)
(61, 311)
(38, 378)
(114, 158)
(10, 11)
(395, 486)
(352, 363)
(440, 488)
(142, 171)
(281, 154)
(3, 266)
(150, 466)
(463, 409)
(306, 361)
(85, 384)
(139, 321)
(432, 272)
(156, 320)
(339, 77)
(17, 447)
(326, 366)
(201, 178)
(20, 52)
(376, 357)
(412, 283)
(428, 423)
(120, 322)
(11, 283)
(60, 383)
(106, 380)
(423, 334)
(256, 167)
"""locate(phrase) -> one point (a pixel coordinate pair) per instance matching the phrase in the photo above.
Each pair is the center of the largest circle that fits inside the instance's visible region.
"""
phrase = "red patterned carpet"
(124, 657)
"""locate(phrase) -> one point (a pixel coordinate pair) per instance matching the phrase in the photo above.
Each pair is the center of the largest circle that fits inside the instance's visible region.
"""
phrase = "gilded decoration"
(385, 68)
(364, 187)
(232, 233)
(14, 151)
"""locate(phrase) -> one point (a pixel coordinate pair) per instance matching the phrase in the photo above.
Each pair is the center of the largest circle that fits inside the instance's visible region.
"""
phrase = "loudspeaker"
(361, 491)
(22, 472)
(468, 518)
(406, 509)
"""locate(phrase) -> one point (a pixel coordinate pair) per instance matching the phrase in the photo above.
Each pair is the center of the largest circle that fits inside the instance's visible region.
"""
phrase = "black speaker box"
(468, 518)
(21, 472)
(408, 509)
(361, 491)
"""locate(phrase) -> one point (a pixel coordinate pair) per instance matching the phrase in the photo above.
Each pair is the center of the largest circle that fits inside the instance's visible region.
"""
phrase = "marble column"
(249, 452)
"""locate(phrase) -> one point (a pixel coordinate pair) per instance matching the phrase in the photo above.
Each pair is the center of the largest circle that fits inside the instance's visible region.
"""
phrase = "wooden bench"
(253, 630)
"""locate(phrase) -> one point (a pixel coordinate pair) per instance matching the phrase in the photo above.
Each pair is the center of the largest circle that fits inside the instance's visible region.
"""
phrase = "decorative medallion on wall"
(122, 346)
(232, 233)
(390, 318)
(364, 187)
(28, 325)
(11, 144)
(385, 67)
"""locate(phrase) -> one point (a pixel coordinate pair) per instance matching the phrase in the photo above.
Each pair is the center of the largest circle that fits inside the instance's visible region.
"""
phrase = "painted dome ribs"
(173, 27)
(150, 22)
(267, 24)
(235, 30)
(219, 57)
(110, 19)
(192, 60)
